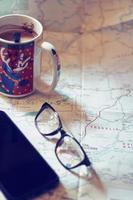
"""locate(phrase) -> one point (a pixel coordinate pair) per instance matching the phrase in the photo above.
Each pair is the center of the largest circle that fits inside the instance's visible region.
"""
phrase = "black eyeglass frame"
(63, 133)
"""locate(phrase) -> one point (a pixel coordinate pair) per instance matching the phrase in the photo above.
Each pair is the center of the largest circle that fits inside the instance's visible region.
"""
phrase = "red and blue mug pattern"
(16, 68)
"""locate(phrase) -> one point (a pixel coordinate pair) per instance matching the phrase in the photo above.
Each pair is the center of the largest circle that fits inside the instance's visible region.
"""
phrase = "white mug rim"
(23, 42)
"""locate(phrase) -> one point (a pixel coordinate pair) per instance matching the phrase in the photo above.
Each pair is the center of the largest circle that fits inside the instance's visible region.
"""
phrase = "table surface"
(94, 97)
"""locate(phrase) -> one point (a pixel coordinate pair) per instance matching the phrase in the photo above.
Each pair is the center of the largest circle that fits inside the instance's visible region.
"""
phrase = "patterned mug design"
(16, 68)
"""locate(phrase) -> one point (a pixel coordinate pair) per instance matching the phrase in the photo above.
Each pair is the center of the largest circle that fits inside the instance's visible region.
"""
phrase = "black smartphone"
(24, 173)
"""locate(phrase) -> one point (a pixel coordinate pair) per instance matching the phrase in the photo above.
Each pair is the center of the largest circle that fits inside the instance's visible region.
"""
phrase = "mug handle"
(46, 46)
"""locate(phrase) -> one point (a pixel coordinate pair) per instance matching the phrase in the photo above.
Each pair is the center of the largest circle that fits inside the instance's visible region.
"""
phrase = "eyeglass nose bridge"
(61, 140)
(63, 132)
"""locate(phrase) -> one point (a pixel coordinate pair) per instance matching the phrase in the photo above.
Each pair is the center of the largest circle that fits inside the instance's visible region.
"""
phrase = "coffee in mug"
(20, 55)
(24, 35)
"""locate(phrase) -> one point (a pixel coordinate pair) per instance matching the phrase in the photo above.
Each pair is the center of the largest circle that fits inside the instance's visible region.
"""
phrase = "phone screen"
(22, 170)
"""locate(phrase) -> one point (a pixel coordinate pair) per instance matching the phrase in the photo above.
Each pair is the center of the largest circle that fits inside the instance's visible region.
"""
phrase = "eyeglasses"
(68, 150)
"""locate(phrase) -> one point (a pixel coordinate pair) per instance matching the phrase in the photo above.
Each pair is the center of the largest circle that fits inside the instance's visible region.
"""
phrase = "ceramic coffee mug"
(20, 55)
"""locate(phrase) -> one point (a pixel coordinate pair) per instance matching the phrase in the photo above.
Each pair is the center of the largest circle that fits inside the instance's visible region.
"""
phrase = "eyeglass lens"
(47, 121)
(69, 152)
